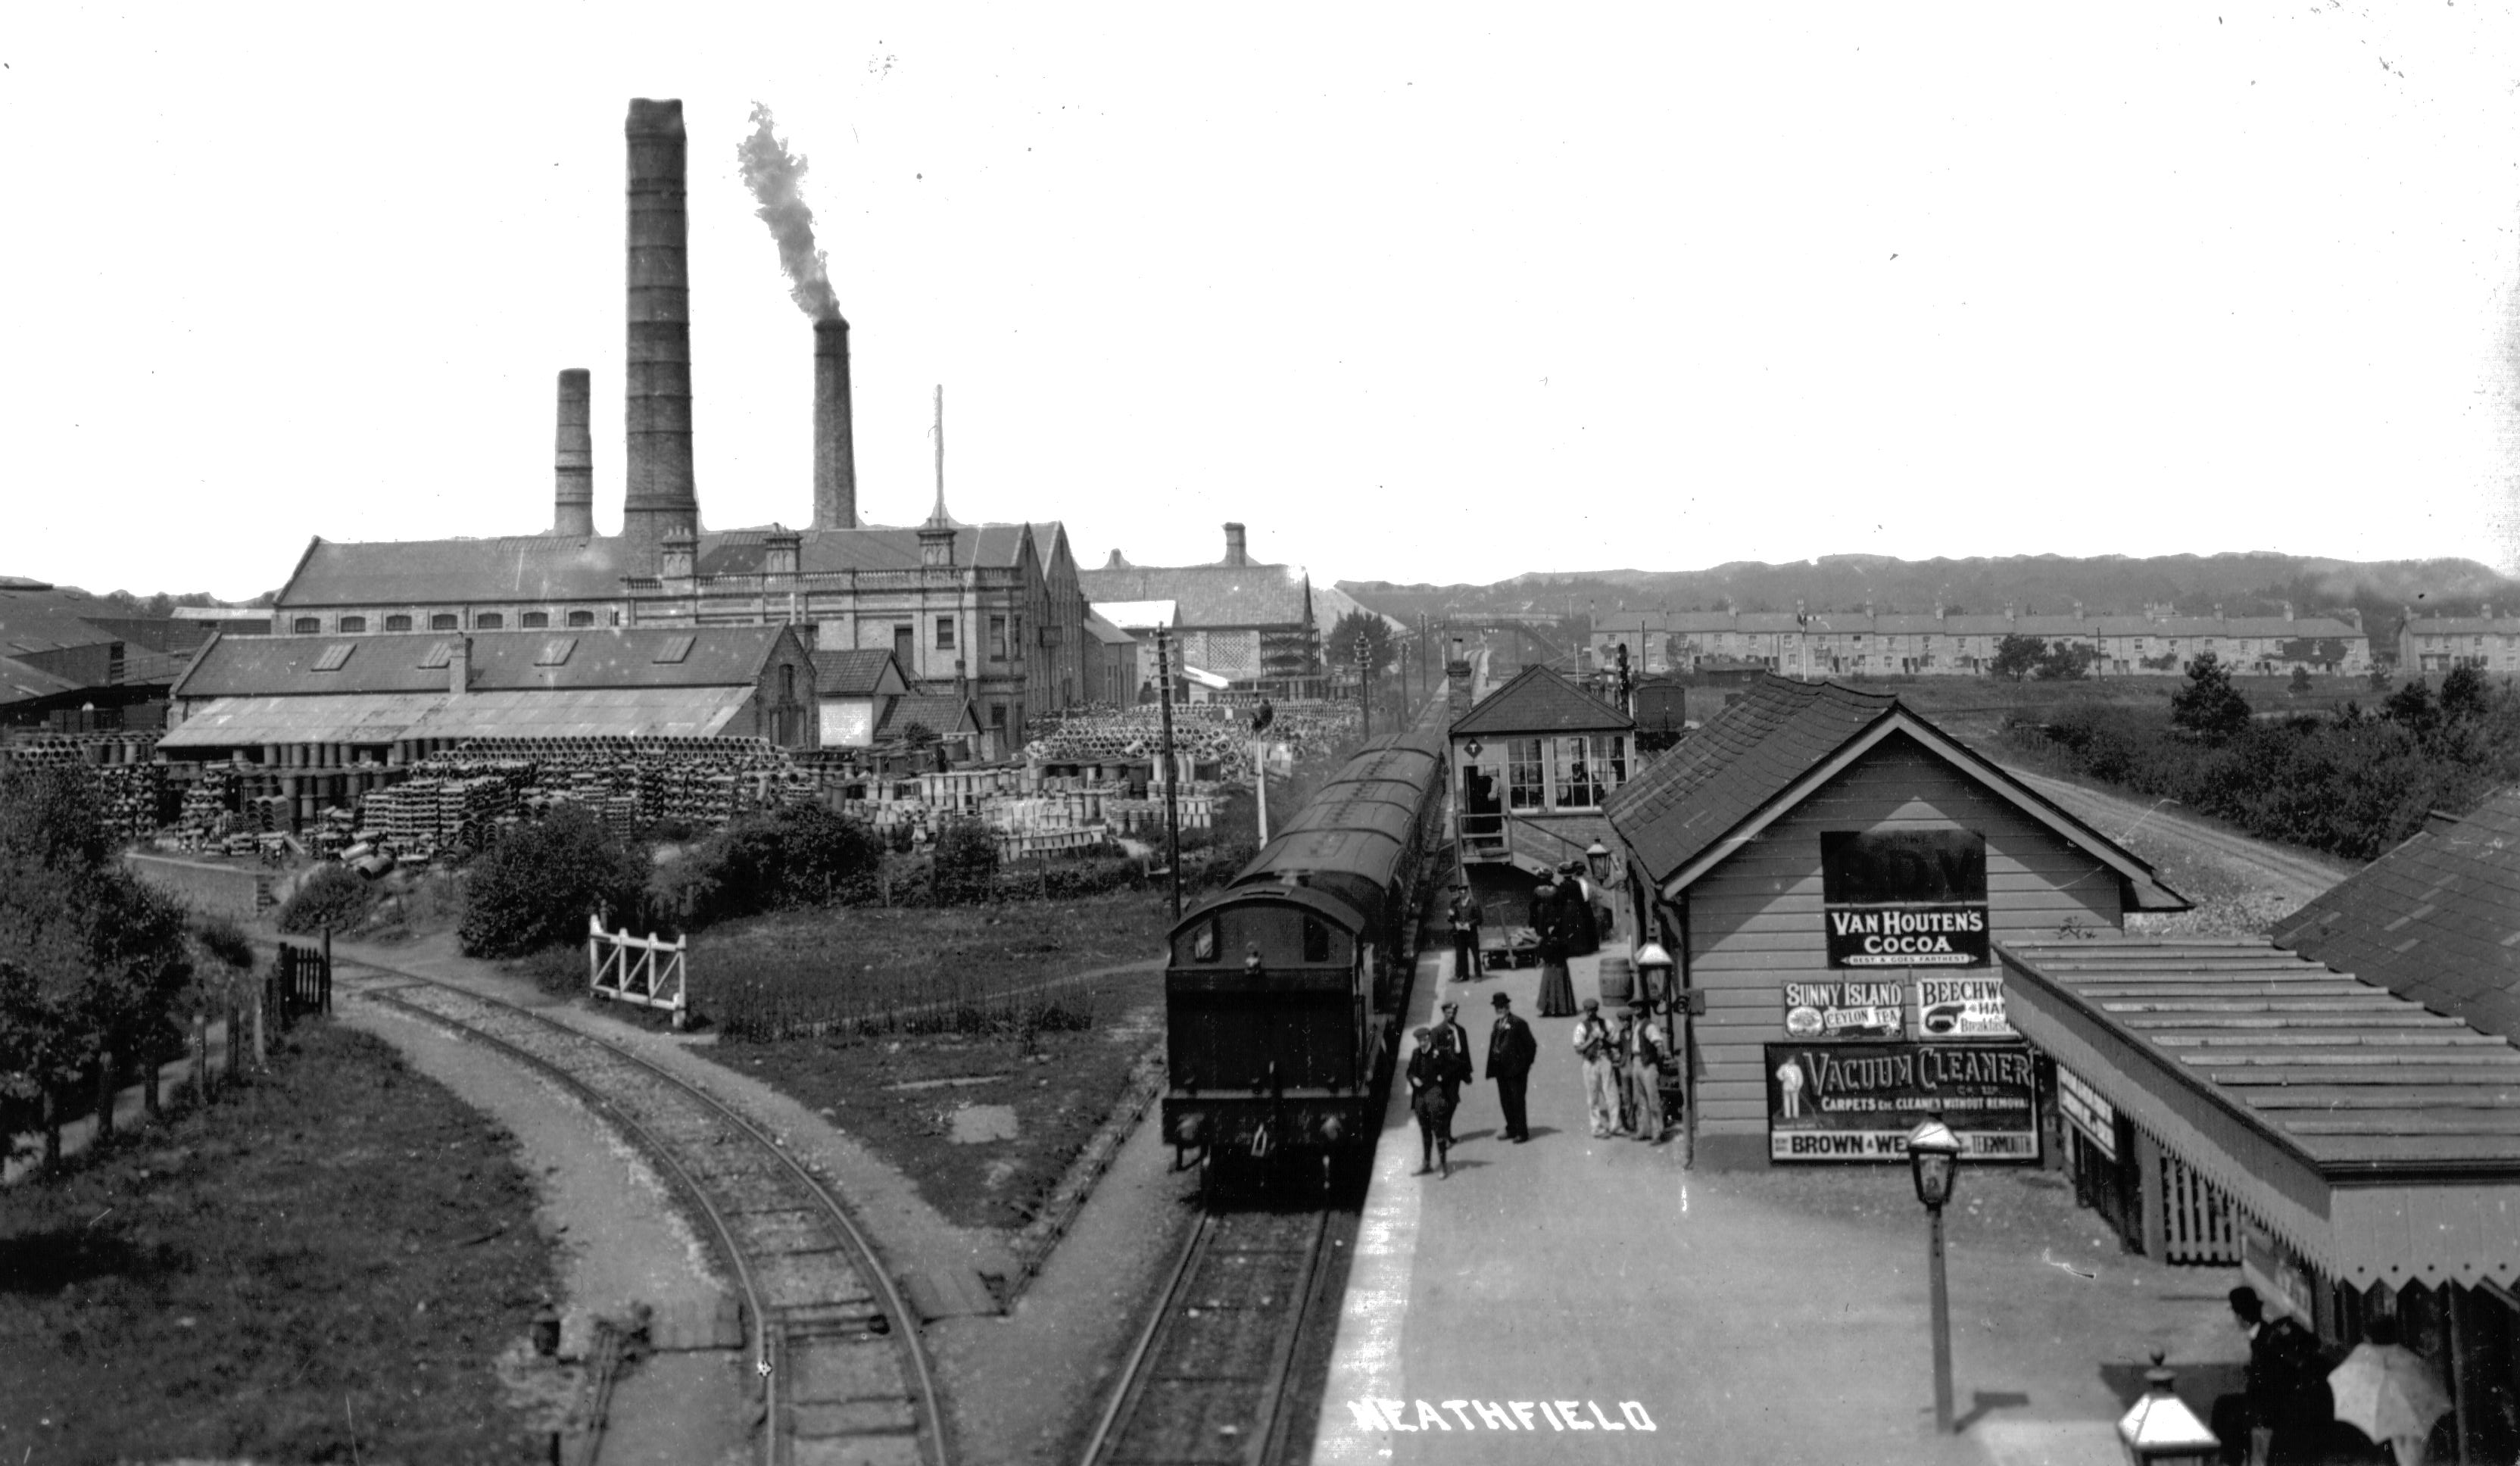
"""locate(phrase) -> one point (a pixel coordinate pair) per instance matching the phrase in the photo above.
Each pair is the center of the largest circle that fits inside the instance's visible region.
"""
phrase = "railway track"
(842, 1373)
(2294, 877)
(1210, 1379)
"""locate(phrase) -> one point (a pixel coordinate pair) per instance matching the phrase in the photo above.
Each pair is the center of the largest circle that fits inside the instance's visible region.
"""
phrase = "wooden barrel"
(1617, 980)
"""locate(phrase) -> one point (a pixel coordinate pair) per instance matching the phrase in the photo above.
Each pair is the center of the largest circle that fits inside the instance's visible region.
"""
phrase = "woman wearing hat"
(1550, 916)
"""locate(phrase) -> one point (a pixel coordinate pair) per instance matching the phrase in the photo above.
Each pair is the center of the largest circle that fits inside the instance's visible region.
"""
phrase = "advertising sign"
(1858, 1101)
(1905, 897)
(2084, 1110)
(1962, 1007)
(1846, 1010)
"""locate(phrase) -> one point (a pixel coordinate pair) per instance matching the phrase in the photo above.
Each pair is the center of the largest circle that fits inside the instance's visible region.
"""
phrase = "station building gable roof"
(2436, 920)
(1539, 700)
(860, 672)
(1774, 745)
(500, 660)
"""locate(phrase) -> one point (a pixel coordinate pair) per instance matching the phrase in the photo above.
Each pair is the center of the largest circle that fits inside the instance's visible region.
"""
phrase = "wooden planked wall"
(1755, 922)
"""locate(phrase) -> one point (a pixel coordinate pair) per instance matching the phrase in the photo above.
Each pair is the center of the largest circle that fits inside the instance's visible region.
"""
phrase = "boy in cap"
(1432, 1099)
(1594, 1047)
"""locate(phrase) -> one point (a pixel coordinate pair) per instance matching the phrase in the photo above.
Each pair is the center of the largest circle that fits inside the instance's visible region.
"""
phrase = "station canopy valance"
(2380, 1140)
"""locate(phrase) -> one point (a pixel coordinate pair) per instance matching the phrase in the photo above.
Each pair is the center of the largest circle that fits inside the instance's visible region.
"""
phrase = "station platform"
(1672, 1315)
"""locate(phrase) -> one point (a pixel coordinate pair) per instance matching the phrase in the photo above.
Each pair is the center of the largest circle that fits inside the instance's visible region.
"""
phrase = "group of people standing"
(1439, 1064)
(1622, 1058)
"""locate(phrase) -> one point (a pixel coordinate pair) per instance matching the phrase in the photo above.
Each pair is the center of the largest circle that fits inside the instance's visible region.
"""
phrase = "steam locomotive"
(1282, 991)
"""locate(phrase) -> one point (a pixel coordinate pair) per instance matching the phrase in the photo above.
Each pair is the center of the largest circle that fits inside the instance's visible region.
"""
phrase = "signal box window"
(944, 632)
(1317, 940)
(1203, 944)
(1523, 776)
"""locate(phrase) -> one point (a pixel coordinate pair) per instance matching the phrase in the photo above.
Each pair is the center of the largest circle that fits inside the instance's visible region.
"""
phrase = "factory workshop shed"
(852, 692)
(396, 697)
(1829, 870)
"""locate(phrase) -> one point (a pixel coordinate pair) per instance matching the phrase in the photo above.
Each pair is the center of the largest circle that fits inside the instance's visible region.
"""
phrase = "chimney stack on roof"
(1234, 555)
(1117, 561)
(573, 458)
(459, 666)
(657, 386)
(836, 463)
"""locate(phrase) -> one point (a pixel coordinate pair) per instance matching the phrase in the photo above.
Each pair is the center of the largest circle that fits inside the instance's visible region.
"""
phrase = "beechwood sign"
(1905, 897)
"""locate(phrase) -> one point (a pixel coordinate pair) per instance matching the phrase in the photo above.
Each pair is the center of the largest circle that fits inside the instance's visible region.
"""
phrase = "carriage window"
(1202, 944)
(1317, 940)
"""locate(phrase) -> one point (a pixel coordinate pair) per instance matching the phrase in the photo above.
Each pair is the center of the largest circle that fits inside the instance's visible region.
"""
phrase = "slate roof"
(1540, 700)
(1103, 631)
(1779, 730)
(854, 673)
(742, 552)
(2338, 1069)
(1744, 756)
(1207, 595)
(685, 712)
(597, 658)
(21, 681)
(2436, 920)
(2459, 625)
(942, 713)
(37, 617)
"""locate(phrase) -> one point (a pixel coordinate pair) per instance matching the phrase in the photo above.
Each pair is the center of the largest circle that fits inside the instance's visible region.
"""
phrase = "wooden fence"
(645, 970)
(300, 981)
(2197, 1225)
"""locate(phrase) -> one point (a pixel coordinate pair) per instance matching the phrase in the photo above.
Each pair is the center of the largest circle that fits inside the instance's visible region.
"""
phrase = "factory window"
(442, 621)
(534, 620)
(1524, 789)
(581, 618)
(353, 625)
(306, 626)
(397, 623)
(1018, 634)
(488, 621)
(944, 632)
(997, 716)
(997, 638)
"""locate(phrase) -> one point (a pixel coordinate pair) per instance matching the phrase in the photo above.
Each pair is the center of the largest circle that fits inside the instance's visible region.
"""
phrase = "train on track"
(1282, 991)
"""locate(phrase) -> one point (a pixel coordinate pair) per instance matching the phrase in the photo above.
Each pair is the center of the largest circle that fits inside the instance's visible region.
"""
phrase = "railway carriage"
(1280, 990)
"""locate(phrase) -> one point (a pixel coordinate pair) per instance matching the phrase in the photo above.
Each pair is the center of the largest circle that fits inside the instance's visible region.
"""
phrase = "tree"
(539, 882)
(2209, 706)
(2464, 696)
(1380, 647)
(2299, 686)
(2016, 655)
(2411, 707)
(2064, 661)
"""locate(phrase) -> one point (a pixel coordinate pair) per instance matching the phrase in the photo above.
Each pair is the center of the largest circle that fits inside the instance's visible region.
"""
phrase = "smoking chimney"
(1234, 550)
(835, 463)
(573, 459)
(658, 388)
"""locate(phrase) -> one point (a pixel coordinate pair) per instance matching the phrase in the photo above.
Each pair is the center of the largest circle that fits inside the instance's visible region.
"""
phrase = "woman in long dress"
(1550, 919)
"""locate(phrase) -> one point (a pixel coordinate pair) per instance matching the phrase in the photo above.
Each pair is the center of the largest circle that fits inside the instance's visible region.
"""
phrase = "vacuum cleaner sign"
(1905, 898)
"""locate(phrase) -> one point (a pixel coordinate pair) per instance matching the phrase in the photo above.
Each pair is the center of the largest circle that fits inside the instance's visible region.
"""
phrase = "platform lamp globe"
(1933, 1159)
(1598, 858)
(2161, 1430)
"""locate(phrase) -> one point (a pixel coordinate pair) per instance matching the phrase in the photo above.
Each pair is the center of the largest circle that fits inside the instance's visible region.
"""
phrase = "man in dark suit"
(1510, 1051)
(2279, 1409)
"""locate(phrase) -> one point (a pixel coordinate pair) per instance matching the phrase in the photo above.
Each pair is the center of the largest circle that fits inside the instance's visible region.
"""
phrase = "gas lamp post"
(1934, 1156)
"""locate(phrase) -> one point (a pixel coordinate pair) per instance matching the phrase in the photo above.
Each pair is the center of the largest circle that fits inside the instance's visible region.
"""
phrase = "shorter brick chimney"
(459, 666)
(573, 459)
(1235, 553)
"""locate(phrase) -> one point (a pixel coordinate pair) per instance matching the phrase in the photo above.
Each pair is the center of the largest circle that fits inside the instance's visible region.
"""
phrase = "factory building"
(1804, 644)
(990, 614)
(1259, 626)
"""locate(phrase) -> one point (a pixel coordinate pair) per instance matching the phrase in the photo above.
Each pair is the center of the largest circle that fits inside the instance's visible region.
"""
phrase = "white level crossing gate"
(646, 970)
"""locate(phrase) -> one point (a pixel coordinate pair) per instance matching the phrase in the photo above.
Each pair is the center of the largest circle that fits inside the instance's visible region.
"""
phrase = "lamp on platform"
(1655, 969)
(1933, 1159)
(1599, 859)
(2161, 1430)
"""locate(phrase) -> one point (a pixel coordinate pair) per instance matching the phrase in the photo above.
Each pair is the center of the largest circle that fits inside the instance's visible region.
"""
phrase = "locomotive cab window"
(1317, 940)
(1203, 944)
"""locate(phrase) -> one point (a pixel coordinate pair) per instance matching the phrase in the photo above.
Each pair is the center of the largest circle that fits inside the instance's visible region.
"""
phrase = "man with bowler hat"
(1510, 1053)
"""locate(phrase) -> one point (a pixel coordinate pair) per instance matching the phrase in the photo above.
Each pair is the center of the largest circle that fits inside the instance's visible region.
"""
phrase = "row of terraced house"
(2160, 643)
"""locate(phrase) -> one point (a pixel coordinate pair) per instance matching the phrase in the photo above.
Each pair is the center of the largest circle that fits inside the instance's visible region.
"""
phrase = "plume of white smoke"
(774, 174)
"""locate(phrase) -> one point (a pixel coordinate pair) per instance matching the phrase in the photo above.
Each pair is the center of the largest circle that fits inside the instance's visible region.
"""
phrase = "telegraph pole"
(1364, 687)
(1172, 801)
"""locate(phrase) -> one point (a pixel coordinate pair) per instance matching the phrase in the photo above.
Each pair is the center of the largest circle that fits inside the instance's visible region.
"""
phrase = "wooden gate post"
(200, 1059)
(105, 1090)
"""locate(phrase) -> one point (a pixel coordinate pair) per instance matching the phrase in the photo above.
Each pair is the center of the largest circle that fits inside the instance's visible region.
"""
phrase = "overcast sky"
(1418, 292)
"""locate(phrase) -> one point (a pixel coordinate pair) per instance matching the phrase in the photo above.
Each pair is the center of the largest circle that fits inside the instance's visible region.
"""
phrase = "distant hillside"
(2254, 584)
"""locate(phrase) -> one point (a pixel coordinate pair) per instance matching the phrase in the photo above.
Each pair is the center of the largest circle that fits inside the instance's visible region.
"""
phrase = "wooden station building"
(1829, 870)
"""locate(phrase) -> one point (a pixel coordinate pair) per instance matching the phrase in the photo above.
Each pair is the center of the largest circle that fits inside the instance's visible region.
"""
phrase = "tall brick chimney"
(658, 388)
(573, 458)
(1235, 553)
(836, 463)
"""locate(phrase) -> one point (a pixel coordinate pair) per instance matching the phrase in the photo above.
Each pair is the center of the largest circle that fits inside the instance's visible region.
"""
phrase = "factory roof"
(689, 712)
(1102, 630)
(37, 617)
(21, 681)
(859, 672)
(2436, 920)
(743, 552)
(422, 572)
(1540, 700)
(1772, 747)
(2380, 1139)
(500, 660)
(1209, 595)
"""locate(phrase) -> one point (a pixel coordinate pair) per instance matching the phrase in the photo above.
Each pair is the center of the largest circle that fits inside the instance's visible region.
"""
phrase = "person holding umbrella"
(2389, 1393)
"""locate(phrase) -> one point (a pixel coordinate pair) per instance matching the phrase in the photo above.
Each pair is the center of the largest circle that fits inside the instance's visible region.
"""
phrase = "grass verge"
(319, 1266)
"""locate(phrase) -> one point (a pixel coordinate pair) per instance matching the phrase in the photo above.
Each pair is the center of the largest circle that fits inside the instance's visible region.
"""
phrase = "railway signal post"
(1363, 686)
(1172, 797)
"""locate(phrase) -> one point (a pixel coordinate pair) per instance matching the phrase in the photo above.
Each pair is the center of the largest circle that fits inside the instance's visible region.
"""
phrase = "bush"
(225, 940)
(798, 856)
(537, 885)
(966, 864)
(330, 895)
